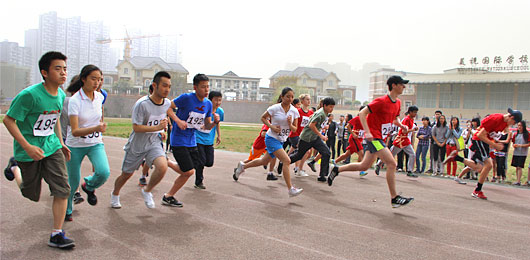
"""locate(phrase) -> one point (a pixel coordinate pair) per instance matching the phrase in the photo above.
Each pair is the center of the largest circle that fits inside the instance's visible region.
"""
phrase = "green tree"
(357, 103)
(365, 103)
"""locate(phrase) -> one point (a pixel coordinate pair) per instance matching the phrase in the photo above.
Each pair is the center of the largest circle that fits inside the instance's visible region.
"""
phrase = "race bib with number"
(305, 121)
(385, 129)
(195, 120)
(92, 138)
(361, 134)
(284, 132)
(45, 125)
(155, 120)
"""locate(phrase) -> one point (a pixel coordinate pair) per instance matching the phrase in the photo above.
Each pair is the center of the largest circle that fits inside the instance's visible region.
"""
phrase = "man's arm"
(33, 151)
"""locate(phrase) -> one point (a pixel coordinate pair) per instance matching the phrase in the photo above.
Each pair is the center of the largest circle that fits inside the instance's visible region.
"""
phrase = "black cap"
(517, 115)
(396, 80)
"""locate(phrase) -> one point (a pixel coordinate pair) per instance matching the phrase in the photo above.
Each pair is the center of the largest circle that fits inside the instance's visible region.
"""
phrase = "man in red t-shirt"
(377, 120)
(482, 141)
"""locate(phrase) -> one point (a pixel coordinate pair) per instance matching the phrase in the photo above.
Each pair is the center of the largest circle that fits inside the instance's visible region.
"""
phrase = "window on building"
(245, 84)
(126, 71)
(449, 96)
(474, 96)
(236, 84)
(426, 96)
(147, 83)
(228, 83)
(330, 83)
(219, 83)
(107, 80)
(254, 85)
(523, 96)
(501, 96)
(138, 73)
(304, 81)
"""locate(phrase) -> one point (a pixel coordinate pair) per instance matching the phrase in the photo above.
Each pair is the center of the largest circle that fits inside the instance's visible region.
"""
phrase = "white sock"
(56, 231)
(296, 169)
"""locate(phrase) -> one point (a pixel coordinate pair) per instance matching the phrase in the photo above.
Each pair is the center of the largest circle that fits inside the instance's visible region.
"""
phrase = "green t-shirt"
(307, 134)
(36, 113)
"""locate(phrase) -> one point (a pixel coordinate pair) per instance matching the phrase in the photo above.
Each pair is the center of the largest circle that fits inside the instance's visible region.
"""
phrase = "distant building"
(347, 94)
(235, 87)
(13, 79)
(11, 52)
(318, 82)
(138, 73)
(266, 94)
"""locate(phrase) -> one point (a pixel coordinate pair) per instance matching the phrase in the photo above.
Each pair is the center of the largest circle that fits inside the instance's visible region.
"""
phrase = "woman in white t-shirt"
(283, 119)
(84, 137)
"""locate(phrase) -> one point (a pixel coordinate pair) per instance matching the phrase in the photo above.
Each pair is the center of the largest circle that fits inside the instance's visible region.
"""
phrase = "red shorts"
(492, 155)
(355, 145)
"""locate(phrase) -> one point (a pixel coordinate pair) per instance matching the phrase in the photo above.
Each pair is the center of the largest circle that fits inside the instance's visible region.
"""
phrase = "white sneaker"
(302, 173)
(459, 181)
(148, 198)
(294, 191)
(115, 201)
(240, 169)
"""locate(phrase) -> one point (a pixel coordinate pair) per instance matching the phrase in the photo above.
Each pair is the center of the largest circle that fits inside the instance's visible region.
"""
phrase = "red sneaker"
(479, 194)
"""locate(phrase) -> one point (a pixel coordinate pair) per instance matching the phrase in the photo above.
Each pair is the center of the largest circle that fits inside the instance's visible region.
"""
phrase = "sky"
(258, 38)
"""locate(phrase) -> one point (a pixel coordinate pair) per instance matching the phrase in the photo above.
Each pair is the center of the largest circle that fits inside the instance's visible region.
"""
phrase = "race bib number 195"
(45, 125)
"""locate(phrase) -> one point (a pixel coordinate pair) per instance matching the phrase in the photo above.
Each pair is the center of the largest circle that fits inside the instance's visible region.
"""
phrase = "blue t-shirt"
(104, 93)
(207, 137)
(194, 112)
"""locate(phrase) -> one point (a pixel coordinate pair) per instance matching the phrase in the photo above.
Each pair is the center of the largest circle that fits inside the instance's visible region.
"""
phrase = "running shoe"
(68, 217)
(200, 186)
(115, 201)
(302, 173)
(399, 201)
(142, 181)
(450, 156)
(399, 170)
(148, 199)
(516, 184)
(333, 174)
(271, 177)
(322, 179)
(92, 199)
(237, 171)
(294, 191)
(78, 198)
(171, 201)
(495, 180)
(479, 194)
(377, 169)
(7, 171)
(265, 167)
(312, 166)
(459, 181)
(61, 241)
(363, 173)
(429, 171)
(413, 175)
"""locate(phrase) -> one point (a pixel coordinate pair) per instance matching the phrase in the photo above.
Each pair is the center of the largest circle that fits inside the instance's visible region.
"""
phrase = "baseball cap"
(517, 115)
(396, 80)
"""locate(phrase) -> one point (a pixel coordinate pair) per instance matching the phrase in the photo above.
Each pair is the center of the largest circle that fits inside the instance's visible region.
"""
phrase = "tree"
(123, 86)
(286, 81)
(357, 103)
(365, 103)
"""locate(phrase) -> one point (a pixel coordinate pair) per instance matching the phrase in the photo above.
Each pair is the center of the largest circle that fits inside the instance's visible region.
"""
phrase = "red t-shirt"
(403, 140)
(357, 127)
(383, 112)
(259, 143)
(303, 121)
(492, 124)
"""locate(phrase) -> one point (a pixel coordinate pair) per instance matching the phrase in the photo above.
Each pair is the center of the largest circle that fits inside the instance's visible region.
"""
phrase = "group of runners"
(40, 152)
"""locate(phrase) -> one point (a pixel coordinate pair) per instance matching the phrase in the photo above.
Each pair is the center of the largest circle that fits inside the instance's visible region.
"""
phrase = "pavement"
(256, 219)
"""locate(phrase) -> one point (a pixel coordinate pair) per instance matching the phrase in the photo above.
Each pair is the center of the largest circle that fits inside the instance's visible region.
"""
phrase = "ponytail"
(77, 82)
(284, 92)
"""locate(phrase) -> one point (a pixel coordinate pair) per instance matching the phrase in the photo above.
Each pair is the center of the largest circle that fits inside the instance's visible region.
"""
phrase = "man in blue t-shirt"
(205, 140)
(194, 112)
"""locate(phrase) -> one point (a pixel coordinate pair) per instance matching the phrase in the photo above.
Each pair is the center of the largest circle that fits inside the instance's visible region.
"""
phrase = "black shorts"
(294, 141)
(374, 146)
(518, 161)
(206, 154)
(481, 150)
(186, 157)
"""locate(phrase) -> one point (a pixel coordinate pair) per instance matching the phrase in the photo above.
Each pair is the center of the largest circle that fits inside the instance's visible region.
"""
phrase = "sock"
(270, 173)
(459, 158)
(296, 169)
(56, 231)
(479, 187)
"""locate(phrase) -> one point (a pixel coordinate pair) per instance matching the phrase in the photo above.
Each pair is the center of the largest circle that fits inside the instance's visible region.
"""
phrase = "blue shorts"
(273, 145)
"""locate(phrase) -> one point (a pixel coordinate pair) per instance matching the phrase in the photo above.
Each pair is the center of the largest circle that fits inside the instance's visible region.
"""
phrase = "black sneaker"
(68, 217)
(91, 195)
(265, 167)
(142, 181)
(61, 241)
(429, 171)
(78, 198)
(7, 171)
(271, 177)
(171, 201)
(200, 186)
(377, 169)
(280, 168)
(413, 175)
(334, 173)
(322, 179)
(312, 166)
(399, 201)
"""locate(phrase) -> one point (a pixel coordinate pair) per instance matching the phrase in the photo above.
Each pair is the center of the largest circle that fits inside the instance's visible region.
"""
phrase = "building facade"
(235, 87)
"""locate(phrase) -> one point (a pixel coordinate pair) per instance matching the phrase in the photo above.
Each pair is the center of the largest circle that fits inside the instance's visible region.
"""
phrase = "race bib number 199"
(45, 125)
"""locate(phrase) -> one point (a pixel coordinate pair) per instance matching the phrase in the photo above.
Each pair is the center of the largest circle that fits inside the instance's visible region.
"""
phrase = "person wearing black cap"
(481, 142)
(377, 119)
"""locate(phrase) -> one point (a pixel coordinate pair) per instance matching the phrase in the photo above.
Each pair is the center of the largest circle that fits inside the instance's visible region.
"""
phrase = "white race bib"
(284, 132)
(195, 120)
(305, 121)
(385, 129)
(155, 120)
(361, 134)
(92, 138)
(45, 125)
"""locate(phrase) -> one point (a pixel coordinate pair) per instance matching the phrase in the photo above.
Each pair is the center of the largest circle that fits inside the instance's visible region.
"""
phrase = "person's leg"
(98, 157)
(399, 159)
(131, 162)
(332, 147)
(435, 157)
(419, 151)
(343, 156)
(186, 158)
(284, 159)
(411, 157)
(73, 167)
(424, 151)
(339, 145)
(324, 151)
(432, 157)
(519, 174)
(158, 174)
(442, 158)
(200, 164)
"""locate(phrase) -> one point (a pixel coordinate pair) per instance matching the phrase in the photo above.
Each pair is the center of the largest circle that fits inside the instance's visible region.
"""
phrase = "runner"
(377, 120)
(194, 112)
(40, 153)
(283, 119)
(481, 142)
(311, 137)
(475, 123)
(84, 136)
(149, 118)
(355, 128)
(206, 138)
(305, 114)
(258, 149)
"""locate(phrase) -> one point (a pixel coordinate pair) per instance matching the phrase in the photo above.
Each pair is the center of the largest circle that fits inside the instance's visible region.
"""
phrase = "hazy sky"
(257, 38)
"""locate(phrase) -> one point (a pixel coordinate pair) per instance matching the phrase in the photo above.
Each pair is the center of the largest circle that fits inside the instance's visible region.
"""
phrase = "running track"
(255, 219)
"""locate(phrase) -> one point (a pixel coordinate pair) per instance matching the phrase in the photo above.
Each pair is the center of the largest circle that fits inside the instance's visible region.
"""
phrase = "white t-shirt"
(88, 113)
(279, 117)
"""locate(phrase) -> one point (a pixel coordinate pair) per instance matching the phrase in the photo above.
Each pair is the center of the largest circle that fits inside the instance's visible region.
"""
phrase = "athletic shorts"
(52, 169)
(354, 145)
(273, 145)
(492, 155)
(132, 161)
(374, 146)
(256, 153)
(481, 151)
(518, 161)
(294, 141)
(186, 157)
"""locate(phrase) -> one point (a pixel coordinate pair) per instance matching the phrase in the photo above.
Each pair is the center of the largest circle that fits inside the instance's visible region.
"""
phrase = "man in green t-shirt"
(33, 121)
(311, 137)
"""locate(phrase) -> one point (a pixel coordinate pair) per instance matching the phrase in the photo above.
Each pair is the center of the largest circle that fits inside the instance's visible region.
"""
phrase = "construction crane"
(128, 42)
